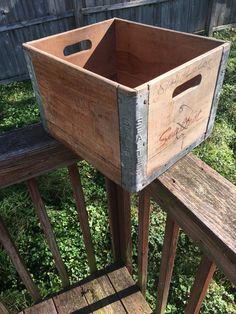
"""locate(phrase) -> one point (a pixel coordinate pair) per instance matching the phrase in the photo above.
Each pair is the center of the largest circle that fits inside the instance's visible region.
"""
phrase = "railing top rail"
(28, 152)
(203, 203)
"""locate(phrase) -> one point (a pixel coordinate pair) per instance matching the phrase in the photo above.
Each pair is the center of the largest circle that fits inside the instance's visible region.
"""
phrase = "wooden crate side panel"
(81, 111)
(144, 52)
(175, 123)
(55, 44)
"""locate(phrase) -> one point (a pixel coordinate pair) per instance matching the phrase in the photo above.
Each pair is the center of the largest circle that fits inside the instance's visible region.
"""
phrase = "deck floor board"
(113, 291)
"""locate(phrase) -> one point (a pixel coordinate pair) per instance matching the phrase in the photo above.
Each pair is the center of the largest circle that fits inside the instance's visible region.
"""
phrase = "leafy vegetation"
(18, 107)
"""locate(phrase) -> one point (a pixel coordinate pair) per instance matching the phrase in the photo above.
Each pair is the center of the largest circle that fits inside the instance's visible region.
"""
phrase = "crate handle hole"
(192, 83)
(77, 47)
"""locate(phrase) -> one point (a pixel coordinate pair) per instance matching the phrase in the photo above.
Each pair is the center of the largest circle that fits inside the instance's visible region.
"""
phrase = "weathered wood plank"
(203, 204)
(83, 215)
(102, 297)
(167, 264)
(119, 6)
(202, 281)
(39, 20)
(70, 301)
(143, 232)
(46, 307)
(210, 22)
(47, 229)
(17, 261)
(111, 290)
(29, 152)
(128, 292)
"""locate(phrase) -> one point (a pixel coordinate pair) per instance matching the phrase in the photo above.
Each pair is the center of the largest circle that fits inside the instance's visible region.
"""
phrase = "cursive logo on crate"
(178, 130)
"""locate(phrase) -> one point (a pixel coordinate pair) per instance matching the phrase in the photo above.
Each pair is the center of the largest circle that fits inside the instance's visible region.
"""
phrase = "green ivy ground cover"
(18, 107)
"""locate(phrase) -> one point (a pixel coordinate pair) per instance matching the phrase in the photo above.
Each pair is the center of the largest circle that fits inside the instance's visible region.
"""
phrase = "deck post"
(120, 223)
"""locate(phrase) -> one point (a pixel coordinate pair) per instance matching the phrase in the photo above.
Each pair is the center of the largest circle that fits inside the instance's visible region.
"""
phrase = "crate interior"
(128, 53)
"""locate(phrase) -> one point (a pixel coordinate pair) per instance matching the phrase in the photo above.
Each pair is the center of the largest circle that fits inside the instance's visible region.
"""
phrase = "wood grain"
(110, 291)
(83, 215)
(102, 297)
(29, 152)
(145, 52)
(203, 204)
(133, 303)
(94, 102)
(167, 263)
(46, 307)
(202, 281)
(70, 301)
(176, 122)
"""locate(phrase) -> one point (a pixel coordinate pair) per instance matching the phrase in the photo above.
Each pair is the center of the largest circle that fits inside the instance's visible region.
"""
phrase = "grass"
(18, 107)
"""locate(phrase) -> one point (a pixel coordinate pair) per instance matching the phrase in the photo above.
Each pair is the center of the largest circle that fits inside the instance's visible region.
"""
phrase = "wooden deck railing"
(195, 197)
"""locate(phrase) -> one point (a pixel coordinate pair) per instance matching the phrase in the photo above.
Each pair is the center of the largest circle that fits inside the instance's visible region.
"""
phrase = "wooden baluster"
(83, 215)
(47, 229)
(124, 210)
(120, 222)
(143, 233)
(202, 281)
(17, 261)
(3, 309)
(167, 263)
(111, 188)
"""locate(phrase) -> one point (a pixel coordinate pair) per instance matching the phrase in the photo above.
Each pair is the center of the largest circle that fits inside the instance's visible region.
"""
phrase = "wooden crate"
(133, 100)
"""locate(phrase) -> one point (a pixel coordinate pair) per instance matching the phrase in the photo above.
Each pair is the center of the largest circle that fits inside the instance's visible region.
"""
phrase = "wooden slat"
(210, 23)
(70, 301)
(119, 6)
(102, 297)
(47, 229)
(203, 204)
(129, 295)
(46, 307)
(39, 20)
(83, 215)
(202, 281)
(3, 309)
(29, 152)
(111, 290)
(113, 214)
(124, 207)
(17, 261)
(143, 233)
(167, 264)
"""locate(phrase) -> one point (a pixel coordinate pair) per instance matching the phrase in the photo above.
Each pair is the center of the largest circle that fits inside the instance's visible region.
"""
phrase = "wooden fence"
(22, 21)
